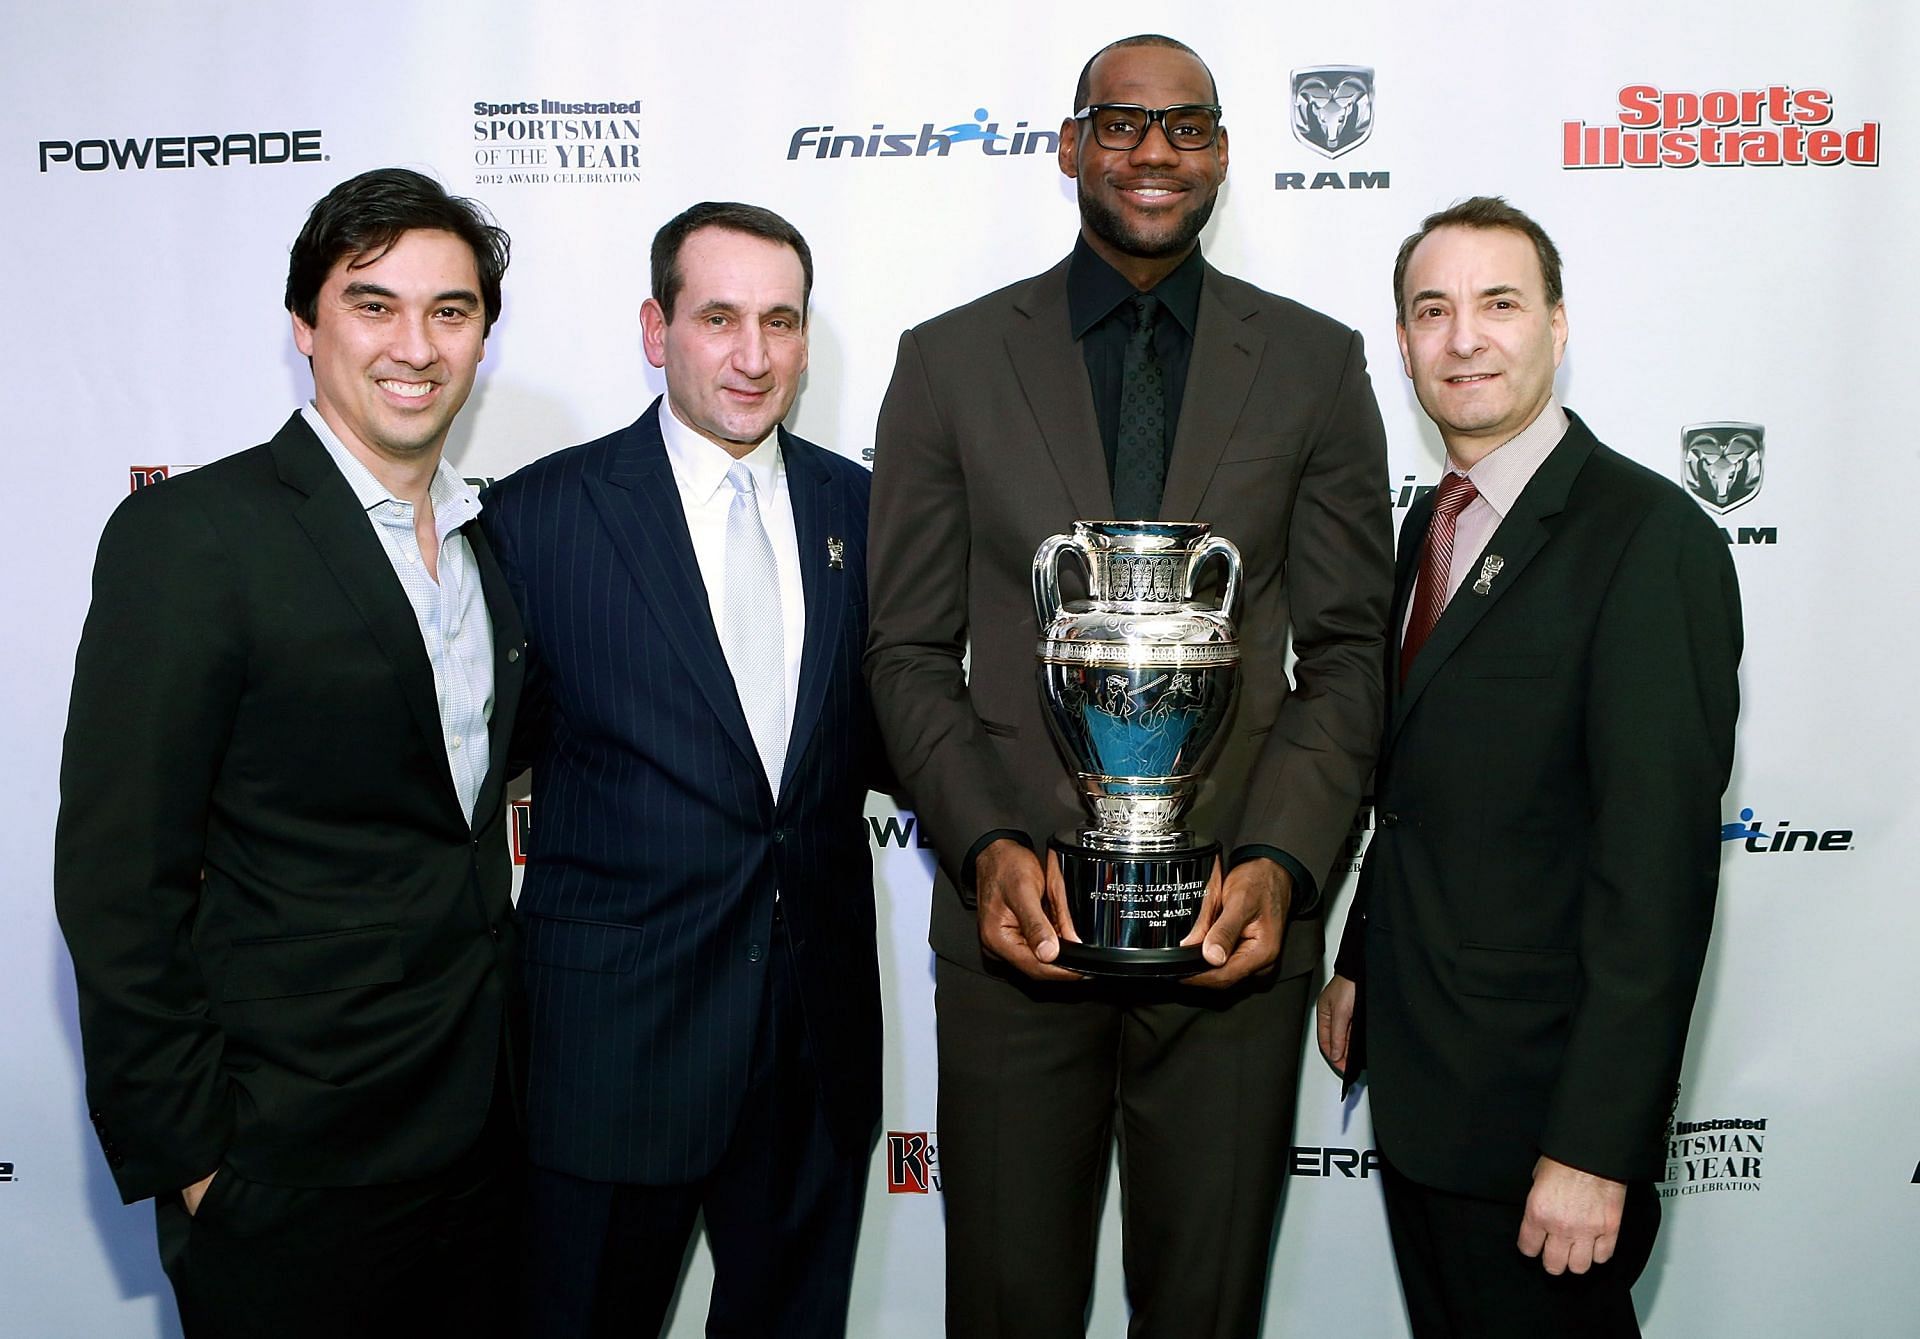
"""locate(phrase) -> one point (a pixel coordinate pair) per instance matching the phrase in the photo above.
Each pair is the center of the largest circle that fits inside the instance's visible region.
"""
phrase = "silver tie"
(751, 630)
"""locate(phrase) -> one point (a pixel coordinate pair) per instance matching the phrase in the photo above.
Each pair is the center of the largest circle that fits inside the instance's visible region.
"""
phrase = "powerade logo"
(1775, 126)
(879, 141)
(253, 148)
(901, 830)
(1349, 1163)
(6, 1172)
(913, 1163)
(1784, 837)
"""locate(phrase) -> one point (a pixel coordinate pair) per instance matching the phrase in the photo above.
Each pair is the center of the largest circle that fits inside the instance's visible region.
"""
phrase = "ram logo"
(1333, 107)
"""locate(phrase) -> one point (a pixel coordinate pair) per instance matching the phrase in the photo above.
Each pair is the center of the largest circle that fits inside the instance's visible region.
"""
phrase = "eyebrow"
(362, 289)
(732, 309)
(1497, 291)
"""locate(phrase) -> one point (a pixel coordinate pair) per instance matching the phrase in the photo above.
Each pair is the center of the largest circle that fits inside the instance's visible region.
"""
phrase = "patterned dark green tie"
(1140, 456)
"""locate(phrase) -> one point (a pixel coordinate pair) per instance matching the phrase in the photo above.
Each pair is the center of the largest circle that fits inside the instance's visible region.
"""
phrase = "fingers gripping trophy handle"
(1212, 545)
(1046, 575)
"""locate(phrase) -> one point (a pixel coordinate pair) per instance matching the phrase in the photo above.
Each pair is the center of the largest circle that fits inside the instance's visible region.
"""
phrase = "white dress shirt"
(700, 473)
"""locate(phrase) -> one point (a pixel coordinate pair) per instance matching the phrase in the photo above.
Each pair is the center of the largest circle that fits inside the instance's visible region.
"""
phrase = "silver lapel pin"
(836, 553)
(1489, 569)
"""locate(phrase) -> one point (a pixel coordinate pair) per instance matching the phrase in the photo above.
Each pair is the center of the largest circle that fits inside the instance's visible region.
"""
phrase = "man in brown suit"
(1003, 426)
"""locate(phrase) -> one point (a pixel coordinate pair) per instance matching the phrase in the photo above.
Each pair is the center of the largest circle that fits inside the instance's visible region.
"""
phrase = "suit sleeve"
(919, 541)
(1662, 700)
(1309, 778)
(157, 682)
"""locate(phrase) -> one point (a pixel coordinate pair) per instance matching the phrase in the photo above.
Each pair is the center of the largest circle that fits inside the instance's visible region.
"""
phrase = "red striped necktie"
(1436, 565)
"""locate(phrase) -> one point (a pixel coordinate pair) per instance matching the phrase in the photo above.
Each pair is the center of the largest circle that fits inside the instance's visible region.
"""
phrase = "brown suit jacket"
(988, 443)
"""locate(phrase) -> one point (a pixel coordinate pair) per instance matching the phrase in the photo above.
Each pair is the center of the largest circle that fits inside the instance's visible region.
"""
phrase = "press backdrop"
(1733, 188)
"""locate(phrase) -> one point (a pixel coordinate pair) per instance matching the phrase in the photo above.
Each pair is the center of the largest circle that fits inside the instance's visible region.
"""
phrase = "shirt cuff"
(1306, 892)
(967, 893)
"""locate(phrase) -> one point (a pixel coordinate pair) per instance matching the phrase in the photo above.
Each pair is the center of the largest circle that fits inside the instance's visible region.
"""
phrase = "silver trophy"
(1138, 680)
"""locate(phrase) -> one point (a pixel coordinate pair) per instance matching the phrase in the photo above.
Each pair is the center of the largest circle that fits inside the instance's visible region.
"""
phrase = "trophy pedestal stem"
(1132, 909)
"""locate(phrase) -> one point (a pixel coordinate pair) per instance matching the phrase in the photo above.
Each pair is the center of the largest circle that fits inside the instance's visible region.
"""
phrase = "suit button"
(494, 930)
(754, 953)
(513, 654)
(1387, 819)
(779, 836)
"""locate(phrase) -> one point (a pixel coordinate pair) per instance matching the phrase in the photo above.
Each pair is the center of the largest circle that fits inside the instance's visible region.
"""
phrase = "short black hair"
(734, 217)
(365, 215)
(1480, 211)
(1081, 89)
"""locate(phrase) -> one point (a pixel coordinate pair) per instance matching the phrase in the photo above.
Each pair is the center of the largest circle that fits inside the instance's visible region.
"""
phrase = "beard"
(1108, 225)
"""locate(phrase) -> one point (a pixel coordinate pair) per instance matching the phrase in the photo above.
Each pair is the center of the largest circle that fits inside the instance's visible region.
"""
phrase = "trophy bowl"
(1137, 681)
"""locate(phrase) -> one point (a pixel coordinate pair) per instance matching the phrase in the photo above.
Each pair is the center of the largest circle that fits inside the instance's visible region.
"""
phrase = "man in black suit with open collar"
(1520, 964)
(281, 863)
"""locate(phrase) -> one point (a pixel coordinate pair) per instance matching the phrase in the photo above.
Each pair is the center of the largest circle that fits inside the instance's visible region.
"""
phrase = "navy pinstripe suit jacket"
(656, 844)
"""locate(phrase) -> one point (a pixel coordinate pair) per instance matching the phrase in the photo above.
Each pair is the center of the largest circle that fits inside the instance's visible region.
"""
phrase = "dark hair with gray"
(364, 216)
(1480, 211)
(1080, 90)
(734, 217)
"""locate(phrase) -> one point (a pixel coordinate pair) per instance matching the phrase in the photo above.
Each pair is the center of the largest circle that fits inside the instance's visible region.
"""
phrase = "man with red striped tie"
(1520, 963)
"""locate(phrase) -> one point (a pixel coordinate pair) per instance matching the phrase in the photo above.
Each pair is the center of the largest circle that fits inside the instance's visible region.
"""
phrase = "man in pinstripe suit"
(698, 905)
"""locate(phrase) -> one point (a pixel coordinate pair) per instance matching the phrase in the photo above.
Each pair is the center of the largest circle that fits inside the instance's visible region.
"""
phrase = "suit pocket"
(1507, 667)
(999, 731)
(1260, 447)
(1551, 976)
(312, 964)
(581, 946)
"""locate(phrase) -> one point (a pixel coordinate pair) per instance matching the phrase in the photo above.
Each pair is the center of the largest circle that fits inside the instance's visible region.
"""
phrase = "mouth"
(406, 390)
(1471, 378)
(745, 395)
(1150, 192)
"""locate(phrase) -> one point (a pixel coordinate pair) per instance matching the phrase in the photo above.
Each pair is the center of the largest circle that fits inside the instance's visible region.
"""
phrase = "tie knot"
(1146, 310)
(1456, 491)
(741, 478)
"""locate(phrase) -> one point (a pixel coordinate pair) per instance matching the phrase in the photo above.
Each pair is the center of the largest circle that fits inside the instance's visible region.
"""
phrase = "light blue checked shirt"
(452, 612)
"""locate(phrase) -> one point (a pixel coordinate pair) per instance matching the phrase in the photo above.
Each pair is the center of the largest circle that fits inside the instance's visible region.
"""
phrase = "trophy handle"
(1046, 575)
(1218, 544)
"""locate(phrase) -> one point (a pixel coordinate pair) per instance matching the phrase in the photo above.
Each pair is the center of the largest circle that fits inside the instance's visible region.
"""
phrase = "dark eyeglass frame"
(1154, 115)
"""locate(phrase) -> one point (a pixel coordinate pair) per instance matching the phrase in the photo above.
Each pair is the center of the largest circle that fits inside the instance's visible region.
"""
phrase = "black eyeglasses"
(1122, 125)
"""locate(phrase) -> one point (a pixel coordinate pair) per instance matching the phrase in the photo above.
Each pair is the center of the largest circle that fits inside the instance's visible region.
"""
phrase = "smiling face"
(737, 343)
(1142, 208)
(1478, 337)
(395, 340)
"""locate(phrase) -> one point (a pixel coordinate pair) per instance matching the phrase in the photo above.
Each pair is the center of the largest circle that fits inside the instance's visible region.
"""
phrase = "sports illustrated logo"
(544, 142)
(520, 812)
(1333, 107)
(1705, 1156)
(1774, 126)
(1784, 837)
(1359, 835)
(1724, 463)
(928, 140)
(913, 1163)
(1332, 115)
(254, 148)
(1351, 1163)
(143, 476)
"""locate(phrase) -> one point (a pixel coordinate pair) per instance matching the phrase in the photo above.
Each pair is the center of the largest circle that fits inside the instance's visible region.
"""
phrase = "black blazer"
(1533, 914)
(656, 844)
(292, 947)
(988, 443)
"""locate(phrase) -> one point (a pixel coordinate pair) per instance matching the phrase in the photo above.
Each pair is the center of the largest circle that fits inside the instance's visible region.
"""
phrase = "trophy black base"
(1131, 911)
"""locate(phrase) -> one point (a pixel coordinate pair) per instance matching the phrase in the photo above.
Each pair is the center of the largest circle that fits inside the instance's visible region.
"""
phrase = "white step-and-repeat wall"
(1733, 192)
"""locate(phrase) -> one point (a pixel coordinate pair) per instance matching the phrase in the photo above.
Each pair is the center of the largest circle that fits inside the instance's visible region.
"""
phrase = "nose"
(1155, 146)
(751, 354)
(413, 343)
(1464, 337)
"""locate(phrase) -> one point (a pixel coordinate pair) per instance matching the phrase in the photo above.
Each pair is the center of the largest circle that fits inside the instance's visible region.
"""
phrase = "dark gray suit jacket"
(988, 443)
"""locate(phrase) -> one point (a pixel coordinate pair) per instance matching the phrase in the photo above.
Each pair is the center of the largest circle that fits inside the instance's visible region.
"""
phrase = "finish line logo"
(913, 1163)
(1774, 126)
(1784, 837)
(929, 140)
(1705, 1156)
